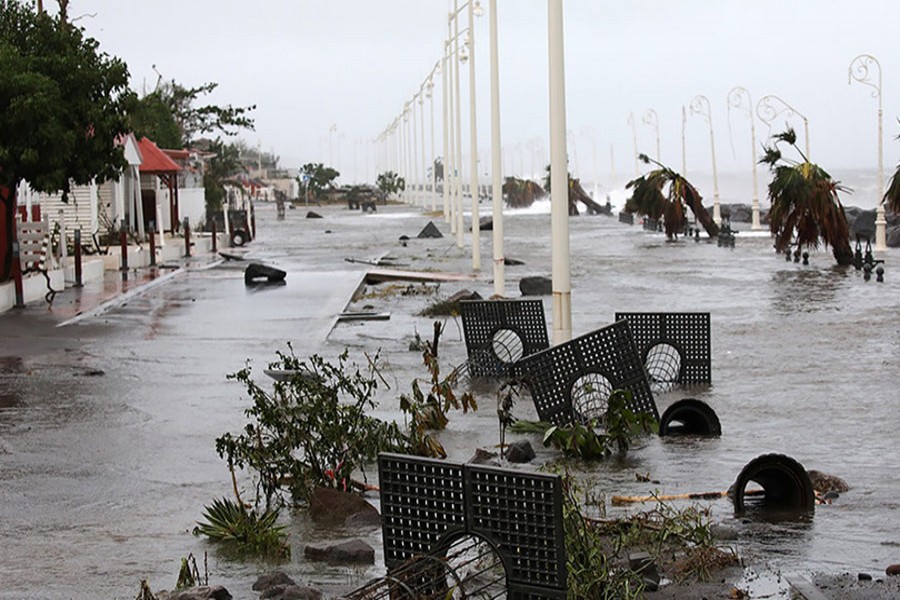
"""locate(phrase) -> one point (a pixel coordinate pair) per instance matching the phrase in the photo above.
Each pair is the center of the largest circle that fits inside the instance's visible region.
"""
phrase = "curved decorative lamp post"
(559, 184)
(769, 107)
(496, 159)
(739, 97)
(700, 106)
(637, 170)
(651, 118)
(683, 144)
(860, 71)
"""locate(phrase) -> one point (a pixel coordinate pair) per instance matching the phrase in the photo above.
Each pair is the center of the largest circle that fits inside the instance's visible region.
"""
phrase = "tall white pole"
(446, 162)
(683, 144)
(496, 159)
(859, 70)
(433, 161)
(637, 170)
(473, 147)
(700, 106)
(424, 172)
(651, 118)
(736, 99)
(414, 150)
(457, 176)
(559, 184)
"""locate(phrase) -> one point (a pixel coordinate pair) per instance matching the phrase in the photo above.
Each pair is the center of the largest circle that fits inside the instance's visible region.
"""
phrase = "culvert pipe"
(690, 417)
(785, 483)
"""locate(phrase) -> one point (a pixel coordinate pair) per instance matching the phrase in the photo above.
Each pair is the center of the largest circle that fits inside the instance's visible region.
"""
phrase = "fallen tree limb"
(623, 500)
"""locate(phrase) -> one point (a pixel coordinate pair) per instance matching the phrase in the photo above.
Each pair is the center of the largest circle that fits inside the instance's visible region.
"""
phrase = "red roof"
(155, 160)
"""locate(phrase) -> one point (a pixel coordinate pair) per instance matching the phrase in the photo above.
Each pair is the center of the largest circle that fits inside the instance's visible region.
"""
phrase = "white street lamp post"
(559, 184)
(736, 98)
(637, 170)
(473, 145)
(414, 150)
(496, 159)
(859, 70)
(429, 91)
(651, 118)
(767, 112)
(447, 161)
(700, 106)
(422, 136)
(683, 144)
(457, 177)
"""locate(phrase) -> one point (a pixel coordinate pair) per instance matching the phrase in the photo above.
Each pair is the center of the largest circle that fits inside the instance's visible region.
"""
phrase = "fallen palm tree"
(521, 193)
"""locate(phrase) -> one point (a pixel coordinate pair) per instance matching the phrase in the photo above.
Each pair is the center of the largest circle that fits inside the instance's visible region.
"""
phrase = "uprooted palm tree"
(576, 195)
(892, 195)
(805, 203)
(663, 193)
(521, 193)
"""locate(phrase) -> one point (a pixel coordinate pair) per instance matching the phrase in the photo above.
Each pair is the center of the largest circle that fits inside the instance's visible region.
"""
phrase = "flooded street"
(107, 426)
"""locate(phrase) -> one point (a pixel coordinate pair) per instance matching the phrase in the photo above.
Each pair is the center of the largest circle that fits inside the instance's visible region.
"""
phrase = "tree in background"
(805, 203)
(521, 193)
(390, 183)
(63, 106)
(648, 198)
(317, 179)
(221, 167)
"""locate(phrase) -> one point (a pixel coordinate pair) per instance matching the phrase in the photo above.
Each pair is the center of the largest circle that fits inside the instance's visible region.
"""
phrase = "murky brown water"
(102, 477)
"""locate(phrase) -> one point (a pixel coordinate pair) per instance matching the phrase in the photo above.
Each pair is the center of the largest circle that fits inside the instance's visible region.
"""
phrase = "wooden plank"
(383, 275)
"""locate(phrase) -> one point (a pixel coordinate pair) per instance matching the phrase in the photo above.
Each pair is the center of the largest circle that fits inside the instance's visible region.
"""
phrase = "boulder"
(333, 507)
(291, 592)
(644, 565)
(363, 520)
(824, 483)
(485, 224)
(512, 262)
(893, 236)
(484, 457)
(350, 551)
(893, 570)
(203, 592)
(264, 582)
(313, 215)
(536, 286)
(520, 451)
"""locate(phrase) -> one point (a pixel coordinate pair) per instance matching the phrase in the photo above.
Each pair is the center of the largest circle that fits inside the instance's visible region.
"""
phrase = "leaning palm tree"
(805, 203)
(650, 199)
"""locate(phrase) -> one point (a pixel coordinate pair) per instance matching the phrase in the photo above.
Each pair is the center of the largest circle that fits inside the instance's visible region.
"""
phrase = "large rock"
(203, 592)
(333, 507)
(536, 286)
(893, 237)
(520, 451)
(291, 592)
(264, 582)
(430, 231)
(351, 551)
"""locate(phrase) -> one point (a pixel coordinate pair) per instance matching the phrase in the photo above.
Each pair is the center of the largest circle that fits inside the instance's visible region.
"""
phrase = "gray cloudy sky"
(353, 63)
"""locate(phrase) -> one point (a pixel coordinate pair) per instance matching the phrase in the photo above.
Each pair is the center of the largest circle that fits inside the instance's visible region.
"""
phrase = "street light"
(736, 99)
(651, 118)
(769, 107)
(700, 106)
(859, 70)
(422, 136)
(637, 171)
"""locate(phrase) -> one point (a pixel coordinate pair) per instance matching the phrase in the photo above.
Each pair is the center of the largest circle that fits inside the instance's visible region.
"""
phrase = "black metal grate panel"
(426, 504)
(689, 333)
(488, 325)
(610, 352)
(421, 501)
(521, 513)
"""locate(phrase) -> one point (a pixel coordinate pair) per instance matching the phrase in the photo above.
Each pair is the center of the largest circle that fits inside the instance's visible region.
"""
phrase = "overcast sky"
(308, 65)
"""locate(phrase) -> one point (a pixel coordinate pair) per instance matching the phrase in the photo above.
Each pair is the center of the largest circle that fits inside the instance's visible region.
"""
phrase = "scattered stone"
(330, 506)
(824, 483)
(644, 565)
(364, 520)
(291, 592)
(94, 373)
(430, 231)
(893, 570)
(864, 577)
(484, 457)
(723, 532)
(404, 238)
(203, 592)
(313, 215)
(536, 286)
(485, 224)
(512, 262)
(255, 272)
(264, 582)
(520, 451)
(463, 295)
(352, 551)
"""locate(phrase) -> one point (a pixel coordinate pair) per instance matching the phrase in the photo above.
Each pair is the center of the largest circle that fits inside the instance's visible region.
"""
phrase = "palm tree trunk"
(843, 254)
(695, 203)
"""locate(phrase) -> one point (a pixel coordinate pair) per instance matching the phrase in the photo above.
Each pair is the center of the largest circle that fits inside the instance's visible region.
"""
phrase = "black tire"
(785, 482)
(690, 417)
(239, 237)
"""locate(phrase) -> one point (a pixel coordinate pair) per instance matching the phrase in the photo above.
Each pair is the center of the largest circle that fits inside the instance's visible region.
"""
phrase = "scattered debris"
(430, 231)
(363, 316)
(536, 286)
(256, 272)
(313, 215)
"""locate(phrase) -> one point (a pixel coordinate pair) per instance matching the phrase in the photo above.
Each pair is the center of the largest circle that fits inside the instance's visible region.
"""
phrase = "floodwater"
(107, 426)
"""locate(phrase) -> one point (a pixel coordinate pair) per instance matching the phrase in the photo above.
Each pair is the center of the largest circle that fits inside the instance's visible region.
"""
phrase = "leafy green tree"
(805, 203)
(152, 117)
(63, 106)
(320, 179)
(650, 199)
(390, 183)
(225, 163)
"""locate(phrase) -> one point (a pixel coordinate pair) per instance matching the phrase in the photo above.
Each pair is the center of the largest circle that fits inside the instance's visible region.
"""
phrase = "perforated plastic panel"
(426, 504)
(689, 333)
(490, 325)
(610, 352)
